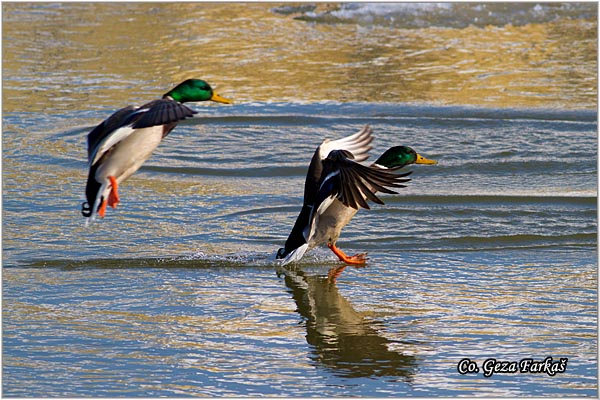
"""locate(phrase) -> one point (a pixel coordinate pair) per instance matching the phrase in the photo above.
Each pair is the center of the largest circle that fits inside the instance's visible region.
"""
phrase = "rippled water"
(492, 253)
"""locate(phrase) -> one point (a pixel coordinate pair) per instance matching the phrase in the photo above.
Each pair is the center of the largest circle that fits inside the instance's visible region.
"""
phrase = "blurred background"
(58, 56)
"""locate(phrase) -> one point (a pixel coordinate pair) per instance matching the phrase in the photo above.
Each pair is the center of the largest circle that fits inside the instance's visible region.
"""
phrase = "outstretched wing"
(162, 112)
(353, 183)
(358, 144)
(123, 122)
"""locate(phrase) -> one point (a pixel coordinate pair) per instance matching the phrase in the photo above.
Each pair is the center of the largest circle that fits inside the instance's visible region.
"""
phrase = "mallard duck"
(337, 186)
(124, 141)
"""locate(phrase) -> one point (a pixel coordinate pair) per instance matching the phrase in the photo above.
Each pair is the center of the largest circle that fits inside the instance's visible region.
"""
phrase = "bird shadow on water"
(345, 341)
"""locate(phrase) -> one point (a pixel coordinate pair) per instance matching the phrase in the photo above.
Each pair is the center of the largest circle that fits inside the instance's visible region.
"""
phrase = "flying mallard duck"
(337, 186)
(124, 141)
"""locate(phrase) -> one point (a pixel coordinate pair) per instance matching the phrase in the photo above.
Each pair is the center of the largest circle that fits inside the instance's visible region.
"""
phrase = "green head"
(399, 156)
(195, 90)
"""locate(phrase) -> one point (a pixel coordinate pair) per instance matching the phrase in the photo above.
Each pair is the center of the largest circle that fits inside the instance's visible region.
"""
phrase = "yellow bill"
(423, 160)
(219, 99)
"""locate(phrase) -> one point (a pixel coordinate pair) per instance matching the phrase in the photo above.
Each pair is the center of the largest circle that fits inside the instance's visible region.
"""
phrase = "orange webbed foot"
(357, 259)
(102, 209)
(113, 196)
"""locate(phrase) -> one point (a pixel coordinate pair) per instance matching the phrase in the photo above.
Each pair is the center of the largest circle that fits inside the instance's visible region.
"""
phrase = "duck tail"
(92, 188)
(295, 255)
(93, 194)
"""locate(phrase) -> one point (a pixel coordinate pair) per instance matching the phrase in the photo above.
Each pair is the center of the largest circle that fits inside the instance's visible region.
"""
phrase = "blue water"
(491, 253)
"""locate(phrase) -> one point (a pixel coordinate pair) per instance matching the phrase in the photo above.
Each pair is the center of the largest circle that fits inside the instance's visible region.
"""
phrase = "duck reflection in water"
(344, 340)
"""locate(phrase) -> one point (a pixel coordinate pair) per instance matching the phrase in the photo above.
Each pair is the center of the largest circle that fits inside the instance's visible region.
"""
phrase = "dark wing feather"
(353, 183)
(358, 145)
(350, 193)
(379, 178)
(368, 192)
(157, 112)
(106, 127)
(162, 112)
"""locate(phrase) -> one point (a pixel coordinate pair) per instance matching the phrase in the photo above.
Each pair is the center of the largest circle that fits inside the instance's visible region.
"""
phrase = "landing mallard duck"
(337, 186)
(122, 143)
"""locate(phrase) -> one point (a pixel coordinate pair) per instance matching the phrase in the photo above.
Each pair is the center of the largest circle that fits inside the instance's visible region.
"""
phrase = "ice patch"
(448, 15)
